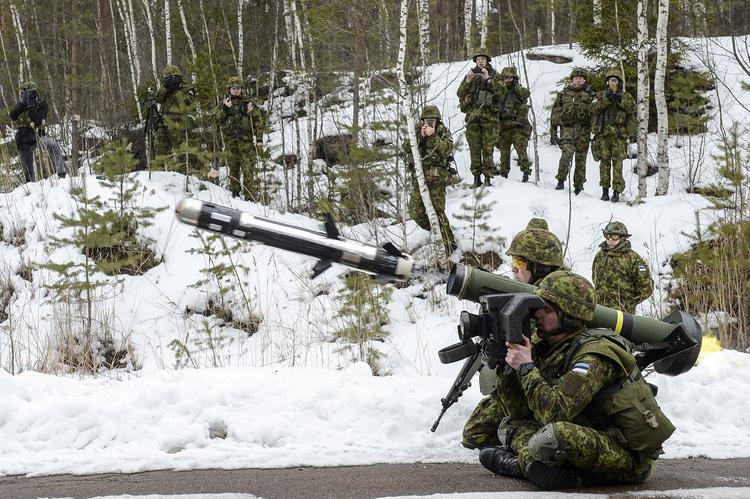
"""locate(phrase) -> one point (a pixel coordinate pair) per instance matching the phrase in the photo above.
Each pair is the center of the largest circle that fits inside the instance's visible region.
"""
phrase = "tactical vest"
(575, 107)
(479, 96)
(630, 405)
(510, 104)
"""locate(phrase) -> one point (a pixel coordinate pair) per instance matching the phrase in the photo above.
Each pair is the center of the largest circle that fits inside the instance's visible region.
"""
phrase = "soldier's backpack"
(630, 404)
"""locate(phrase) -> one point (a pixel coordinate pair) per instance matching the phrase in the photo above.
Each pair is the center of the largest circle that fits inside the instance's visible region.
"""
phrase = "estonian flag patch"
(581, 368)
(642, 268)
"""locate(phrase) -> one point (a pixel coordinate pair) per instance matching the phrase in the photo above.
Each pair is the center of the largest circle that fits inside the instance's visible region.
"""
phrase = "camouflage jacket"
(176, 106)
(29, 121)
(479, 98)
(550, 392)
(514, 107)
(434, 150)
(572, 107)
(621, 277)
(243, 121)
(614, 118)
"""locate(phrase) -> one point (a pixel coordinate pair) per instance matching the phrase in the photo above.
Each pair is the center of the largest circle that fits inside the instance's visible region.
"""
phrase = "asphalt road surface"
(355, 481)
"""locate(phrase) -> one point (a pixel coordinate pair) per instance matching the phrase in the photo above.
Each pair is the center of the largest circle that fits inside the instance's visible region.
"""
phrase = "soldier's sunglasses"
(519, 263)
(614, 237)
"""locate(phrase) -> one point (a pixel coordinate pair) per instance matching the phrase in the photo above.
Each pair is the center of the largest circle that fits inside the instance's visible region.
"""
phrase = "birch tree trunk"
(23, 50)
(483, 23)
(597, 10)
(240, 38)
(207, 34)
(660, 75)
(424, 30)
(117, 51)
(418, 172)
(642, 98)
(468, 10)
(191, 44)
(168, 30)
(386, 23)
(150, 25)
(130, 13)
(552, 22)
(290, 37)
(121, 5)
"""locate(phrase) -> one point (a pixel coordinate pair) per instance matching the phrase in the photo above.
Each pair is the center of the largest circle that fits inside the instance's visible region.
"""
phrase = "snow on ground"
(289, 395)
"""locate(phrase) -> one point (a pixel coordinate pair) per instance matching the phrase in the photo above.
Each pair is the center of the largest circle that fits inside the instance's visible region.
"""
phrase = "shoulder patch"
(642, 268)
(581, 368)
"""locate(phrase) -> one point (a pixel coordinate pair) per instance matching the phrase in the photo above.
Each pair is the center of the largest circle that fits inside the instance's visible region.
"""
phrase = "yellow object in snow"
(710, 345)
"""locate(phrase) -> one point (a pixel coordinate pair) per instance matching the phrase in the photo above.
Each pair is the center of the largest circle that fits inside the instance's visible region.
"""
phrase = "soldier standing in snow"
(435, 146)
(572, 113)
(514, 124)
(478, 95)
(29, 116)
(615, 124)
(621, 276)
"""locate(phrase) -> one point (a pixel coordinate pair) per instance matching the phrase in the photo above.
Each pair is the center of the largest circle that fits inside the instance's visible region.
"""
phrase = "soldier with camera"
(176, 100)
(515, 128)
(29, 115)
(435, 146)
(479, 94)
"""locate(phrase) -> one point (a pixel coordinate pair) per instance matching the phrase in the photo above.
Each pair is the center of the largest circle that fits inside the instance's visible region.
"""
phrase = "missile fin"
(330, 226)
(320, 267)
(392, 250)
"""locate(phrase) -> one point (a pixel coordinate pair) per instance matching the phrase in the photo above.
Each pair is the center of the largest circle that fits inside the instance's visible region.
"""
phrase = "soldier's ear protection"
(538, 269)
(568, 323)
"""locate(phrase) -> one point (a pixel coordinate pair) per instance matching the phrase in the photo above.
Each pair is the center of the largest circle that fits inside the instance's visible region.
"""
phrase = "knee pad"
(546, 446)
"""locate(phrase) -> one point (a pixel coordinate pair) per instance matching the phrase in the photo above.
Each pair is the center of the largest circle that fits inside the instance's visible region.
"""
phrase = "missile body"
(386, 263)
(671, 344)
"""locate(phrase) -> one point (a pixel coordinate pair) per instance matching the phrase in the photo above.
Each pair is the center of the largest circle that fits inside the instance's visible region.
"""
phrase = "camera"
(172, 82)
(476, 70)
(430, 122)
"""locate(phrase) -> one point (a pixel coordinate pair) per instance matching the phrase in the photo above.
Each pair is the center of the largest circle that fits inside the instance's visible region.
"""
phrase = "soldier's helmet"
(481, 51)
(509, 71)
(537, 223)
(613, 72)
(538, 246)
(171, 70)
(234, 81)
(30, 86)
(616, 228)
(430, 112)
(570, 293)
(579, 72)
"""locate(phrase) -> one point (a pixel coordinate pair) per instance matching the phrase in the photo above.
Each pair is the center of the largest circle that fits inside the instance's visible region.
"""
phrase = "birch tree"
(168, 31)
(597, 12)
(191, 44)
(418, 172)
(424, 30)
(483, 22)
(642, 97)
(23, 49)
(150, 25)
(468, 11)
(552, 22)
(660, 75)
(240, 38)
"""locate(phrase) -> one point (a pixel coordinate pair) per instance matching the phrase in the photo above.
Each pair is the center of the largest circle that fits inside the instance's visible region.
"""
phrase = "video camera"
(476, 70)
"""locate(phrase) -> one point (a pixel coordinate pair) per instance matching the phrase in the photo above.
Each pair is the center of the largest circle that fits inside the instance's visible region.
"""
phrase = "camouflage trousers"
(482, 137)
(163, 143)
(517, 138)
(437, 196)
(242, 164)
(574, 142)
(613, 152)
(586, 449)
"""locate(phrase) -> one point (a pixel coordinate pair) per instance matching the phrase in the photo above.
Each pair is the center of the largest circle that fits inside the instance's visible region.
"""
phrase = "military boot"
(605, 194)
(560, 185)
(500, 461)
(477, 180)
(577, 190)
(487, 181)
(615, 196)
(525, 178)
(559, 477)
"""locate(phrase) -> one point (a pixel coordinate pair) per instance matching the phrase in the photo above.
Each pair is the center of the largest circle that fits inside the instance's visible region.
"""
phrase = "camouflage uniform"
(571, 111)
(559, 431)
(621, 276)
(479, 100)
(614, 123)
(242, 129)
(177, 101)
(543, 250)
(514, 125)
(28, 116)
(434, 151)
(537, 223)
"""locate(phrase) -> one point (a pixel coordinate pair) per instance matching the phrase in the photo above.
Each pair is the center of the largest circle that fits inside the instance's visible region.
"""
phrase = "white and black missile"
(387, 263)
